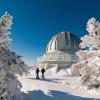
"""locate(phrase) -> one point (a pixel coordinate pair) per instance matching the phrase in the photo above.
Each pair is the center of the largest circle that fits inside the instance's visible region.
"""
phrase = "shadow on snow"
(52, 95)
(48, 80)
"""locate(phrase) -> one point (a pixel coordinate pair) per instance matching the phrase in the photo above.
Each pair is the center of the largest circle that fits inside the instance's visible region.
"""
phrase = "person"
(42, 71)
(37, 73)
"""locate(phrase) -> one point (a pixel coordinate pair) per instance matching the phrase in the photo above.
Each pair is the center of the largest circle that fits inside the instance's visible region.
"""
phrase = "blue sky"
(36, 21)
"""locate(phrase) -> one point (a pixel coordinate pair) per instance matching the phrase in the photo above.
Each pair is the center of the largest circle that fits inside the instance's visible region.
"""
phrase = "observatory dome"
(60, 51)
(63, 41)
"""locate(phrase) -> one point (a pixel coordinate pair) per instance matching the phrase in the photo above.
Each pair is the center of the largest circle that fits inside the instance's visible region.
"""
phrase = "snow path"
(52, 88)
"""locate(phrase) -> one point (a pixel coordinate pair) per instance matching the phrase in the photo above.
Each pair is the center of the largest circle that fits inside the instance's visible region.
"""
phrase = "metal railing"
(57, 57)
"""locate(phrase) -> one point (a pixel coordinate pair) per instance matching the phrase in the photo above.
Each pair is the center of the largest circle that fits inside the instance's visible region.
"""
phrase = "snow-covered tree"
(5, 25)
(10, 63)
(89, 55)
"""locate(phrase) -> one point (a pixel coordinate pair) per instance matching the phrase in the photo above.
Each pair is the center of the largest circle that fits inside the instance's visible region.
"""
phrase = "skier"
(42, 71)
(37, 73)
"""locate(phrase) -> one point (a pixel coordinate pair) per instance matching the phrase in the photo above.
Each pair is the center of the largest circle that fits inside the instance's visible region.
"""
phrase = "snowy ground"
(53, 88)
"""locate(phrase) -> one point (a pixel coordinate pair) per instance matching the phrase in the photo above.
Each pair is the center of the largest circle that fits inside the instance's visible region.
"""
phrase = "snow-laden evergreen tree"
(89, 55)
(10, 63)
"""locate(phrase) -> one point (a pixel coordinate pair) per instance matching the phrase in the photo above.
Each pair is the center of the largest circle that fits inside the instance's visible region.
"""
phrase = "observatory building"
(60, 51)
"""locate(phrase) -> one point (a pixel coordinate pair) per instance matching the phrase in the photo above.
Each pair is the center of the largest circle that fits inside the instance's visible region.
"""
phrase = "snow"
(54, 87)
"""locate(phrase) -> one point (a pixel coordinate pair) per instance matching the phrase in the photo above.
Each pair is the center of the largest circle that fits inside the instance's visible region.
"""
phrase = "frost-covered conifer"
(89, 55)
(10, 63)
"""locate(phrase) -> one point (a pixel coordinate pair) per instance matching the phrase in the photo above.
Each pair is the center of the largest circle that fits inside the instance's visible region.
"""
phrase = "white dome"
(63, 41)
(60, 51)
